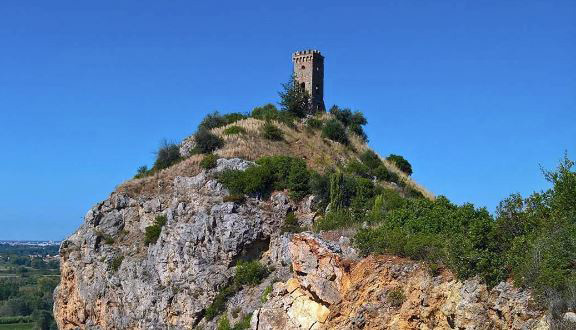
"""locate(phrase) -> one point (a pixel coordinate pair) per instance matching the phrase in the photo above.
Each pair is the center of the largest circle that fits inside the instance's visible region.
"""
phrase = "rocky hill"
(219, 260)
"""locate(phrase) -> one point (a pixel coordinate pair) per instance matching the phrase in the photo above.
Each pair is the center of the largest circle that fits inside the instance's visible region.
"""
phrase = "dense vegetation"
(532, 240)
(272, 173)
(27, 280)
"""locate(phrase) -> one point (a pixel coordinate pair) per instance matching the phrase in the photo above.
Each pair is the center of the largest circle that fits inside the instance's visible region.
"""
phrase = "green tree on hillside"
(401, 163)
(295, 99)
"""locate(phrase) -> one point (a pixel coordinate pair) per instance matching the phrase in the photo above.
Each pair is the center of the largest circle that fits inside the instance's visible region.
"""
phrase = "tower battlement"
(309, 73)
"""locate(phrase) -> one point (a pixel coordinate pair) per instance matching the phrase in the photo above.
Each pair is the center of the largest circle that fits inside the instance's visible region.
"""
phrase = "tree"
(295, 99)
(167, 155)
(351, 120)
(401, 163)
(206, 141)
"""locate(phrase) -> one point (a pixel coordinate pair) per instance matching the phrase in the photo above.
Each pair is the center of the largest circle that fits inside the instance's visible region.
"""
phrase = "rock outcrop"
(112, 280)
(385, 292)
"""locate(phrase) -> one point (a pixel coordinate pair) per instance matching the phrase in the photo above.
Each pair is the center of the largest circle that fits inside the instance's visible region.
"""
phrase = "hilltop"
(280, 219)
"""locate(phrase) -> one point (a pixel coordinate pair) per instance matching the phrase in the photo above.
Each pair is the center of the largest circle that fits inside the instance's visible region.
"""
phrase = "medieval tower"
(309, 73)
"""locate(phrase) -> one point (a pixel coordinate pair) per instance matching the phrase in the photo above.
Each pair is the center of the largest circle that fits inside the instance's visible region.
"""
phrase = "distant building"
(309, 73)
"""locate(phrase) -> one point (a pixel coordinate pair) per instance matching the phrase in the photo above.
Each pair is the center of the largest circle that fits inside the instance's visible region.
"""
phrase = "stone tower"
(309, 73)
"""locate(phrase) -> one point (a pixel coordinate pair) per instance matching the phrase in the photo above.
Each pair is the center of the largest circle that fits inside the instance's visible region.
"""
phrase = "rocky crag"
(112, 279)
(331, 291)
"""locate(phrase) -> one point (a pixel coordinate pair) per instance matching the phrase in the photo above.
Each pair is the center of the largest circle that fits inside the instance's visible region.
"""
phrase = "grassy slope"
(299, 141)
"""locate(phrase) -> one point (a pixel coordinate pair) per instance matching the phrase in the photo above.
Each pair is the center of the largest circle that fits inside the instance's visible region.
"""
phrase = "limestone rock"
(329, 292)
(170, 282)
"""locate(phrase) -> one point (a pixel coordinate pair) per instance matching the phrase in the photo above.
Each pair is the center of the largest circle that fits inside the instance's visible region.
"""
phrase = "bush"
(116, 262)
(218, 305)
(206, 141)
(395, 297)
(382, 173)
(215, 120)
(334, 220)
(209, 161)
(243, 324)
(265, 112)
(271, 132)
(265, 294)
(371, 159)
(352, 121)
(295, 99)
(291, 224)
(334, 131)
(167, 155)
(314, 123)
(223, 323)
(153, 232)
(270, 173)
(269, 112)
(234, 130)
(249, 273)
(142, 172)
(401, 163)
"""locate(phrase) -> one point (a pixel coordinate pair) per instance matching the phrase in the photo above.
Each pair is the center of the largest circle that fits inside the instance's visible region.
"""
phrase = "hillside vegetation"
(374, 200)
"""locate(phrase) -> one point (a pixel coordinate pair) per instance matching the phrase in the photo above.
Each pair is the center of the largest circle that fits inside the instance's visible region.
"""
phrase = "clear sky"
(475, 94)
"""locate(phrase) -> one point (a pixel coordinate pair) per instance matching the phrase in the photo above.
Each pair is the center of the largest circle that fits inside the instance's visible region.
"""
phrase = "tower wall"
(309, 71)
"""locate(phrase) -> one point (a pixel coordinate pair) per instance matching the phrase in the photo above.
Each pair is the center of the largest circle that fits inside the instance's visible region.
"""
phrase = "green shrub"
(291, 224)
(401, 163)
(334, 220)
(249, 273)
(382, 173)
(352, 121)
(209, 161)
(334, 130)
(269, 112)
(142, 172)
(271, 132)
(354, 167)
(371, 159)
(115, 263)
(314, 123)
(265, 112)
(265, 294)
(215, 120)
(153, 232)
(224, 323)
(395, 297)
(167, 155)
(234, 130)
(243, 324)
(206, 141)
(218, 305)
(270, 173)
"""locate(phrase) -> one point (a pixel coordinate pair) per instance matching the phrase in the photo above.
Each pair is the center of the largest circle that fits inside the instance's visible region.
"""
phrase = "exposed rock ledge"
(330, 292)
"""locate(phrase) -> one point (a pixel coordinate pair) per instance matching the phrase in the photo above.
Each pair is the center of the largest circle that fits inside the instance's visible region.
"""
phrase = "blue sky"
(475, 94)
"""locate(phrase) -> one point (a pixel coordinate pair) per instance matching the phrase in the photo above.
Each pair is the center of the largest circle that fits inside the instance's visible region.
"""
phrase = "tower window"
(303, 67)
(303, 85)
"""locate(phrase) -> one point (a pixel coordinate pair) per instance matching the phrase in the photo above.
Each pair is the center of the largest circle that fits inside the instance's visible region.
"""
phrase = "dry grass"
(299, 141)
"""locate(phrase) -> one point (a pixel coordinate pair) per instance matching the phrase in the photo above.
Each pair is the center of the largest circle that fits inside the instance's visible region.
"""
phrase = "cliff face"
(111, 279)
(329, 291)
